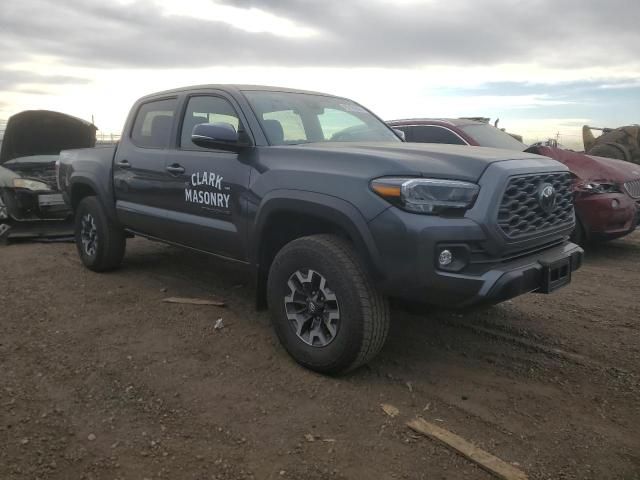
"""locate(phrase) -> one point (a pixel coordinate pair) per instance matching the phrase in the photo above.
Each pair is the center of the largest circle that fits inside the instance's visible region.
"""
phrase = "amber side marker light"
(386, 190)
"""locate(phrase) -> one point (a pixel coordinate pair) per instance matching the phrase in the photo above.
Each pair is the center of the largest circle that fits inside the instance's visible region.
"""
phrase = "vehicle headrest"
(161, 129)
(274, 131)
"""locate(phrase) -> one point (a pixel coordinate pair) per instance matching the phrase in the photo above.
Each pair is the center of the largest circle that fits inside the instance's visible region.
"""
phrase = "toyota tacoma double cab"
(326, 207)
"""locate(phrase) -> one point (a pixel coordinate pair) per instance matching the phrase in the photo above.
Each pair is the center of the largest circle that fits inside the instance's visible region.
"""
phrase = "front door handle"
(123, 164)
(175, 169)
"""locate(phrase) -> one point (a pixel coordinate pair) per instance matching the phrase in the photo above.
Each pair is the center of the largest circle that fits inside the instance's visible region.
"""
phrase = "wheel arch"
(289, 214)
(80, 190)
(81, 187)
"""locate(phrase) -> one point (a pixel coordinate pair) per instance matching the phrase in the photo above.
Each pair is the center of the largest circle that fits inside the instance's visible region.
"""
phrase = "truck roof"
(236, 88)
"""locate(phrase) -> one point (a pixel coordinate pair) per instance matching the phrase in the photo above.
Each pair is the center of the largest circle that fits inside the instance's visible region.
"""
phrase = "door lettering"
(206, 197)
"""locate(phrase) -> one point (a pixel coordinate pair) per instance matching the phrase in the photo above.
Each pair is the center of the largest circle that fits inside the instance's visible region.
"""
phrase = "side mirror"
(222, 136)
(401, 134)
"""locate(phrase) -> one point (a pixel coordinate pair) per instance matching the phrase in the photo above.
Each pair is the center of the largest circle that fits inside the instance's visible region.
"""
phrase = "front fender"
(330, 209)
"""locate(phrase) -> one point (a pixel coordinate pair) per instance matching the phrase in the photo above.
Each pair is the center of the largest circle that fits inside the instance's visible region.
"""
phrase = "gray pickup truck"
(326, 207)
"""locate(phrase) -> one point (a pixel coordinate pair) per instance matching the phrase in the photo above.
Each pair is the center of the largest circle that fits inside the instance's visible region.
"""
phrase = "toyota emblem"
(547, 198)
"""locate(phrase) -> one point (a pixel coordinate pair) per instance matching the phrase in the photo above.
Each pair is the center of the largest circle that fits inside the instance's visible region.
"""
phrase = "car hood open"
(43, 132)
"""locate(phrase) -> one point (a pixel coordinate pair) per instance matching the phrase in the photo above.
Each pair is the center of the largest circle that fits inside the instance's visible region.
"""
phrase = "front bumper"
(526, 275)
(25, 214)
(405, 261)
(603, 221)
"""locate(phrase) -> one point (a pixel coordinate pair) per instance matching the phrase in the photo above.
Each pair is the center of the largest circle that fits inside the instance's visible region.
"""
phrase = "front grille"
(520, 212)
(633, 188)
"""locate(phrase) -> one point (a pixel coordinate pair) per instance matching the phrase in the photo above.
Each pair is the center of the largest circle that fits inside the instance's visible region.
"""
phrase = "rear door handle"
(175, 169)
(123, 164)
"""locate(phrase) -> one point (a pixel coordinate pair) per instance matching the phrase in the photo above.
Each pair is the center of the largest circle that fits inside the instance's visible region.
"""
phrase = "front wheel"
(325, 309)
(100, 242)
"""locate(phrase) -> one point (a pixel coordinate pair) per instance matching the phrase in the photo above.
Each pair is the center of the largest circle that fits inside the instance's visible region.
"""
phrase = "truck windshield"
(295, 118)
(490, 136)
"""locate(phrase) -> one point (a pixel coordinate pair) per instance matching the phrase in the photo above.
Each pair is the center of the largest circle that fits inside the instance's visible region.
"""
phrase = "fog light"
(445, 258)
(615, 203)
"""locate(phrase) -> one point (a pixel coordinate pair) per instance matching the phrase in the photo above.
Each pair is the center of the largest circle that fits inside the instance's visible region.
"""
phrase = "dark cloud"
(369, 33)
(21, 80)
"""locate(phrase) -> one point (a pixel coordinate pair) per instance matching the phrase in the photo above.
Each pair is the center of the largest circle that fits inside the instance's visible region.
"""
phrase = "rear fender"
(77, 188)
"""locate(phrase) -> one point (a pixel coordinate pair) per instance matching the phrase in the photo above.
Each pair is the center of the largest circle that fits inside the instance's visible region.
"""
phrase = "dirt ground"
(101, 380)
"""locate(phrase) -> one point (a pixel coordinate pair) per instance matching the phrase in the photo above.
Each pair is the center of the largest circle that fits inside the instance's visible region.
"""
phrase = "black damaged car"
(30, 203)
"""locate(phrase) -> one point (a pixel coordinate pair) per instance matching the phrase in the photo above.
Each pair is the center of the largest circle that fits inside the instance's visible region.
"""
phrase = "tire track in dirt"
(533, 381)
(498, 332)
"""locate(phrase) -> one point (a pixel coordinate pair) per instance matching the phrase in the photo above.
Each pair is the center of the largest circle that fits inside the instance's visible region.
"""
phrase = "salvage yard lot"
(101, 379)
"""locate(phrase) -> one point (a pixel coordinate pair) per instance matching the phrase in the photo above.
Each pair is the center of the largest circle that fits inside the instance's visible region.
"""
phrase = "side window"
(433, 134)
(153, 123)
(284, 126)
(206, 110)
(408, 136)
(334, 121)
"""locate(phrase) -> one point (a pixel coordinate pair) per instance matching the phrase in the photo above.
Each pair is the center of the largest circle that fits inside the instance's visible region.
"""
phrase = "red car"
(606, 191)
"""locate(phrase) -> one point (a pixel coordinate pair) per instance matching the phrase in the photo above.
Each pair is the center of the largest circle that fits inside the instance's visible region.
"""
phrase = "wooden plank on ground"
(390, 410)
(194, 301)
(490, 463)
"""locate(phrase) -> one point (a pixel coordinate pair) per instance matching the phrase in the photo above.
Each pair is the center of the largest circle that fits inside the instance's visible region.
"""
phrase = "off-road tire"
(364, 312)
(111, 240)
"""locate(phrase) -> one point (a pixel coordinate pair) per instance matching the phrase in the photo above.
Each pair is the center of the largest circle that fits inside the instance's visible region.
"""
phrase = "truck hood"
(591, 168)
(458, 162)
(42, 132)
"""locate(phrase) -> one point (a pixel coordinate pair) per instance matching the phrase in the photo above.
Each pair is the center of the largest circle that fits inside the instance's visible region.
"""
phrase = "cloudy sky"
(542, 66)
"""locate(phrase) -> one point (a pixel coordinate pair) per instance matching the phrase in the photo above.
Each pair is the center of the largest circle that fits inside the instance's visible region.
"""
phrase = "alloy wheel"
(312, 308)
(89, 235)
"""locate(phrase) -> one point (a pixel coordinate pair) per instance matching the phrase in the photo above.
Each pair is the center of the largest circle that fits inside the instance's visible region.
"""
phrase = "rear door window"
(153, 124)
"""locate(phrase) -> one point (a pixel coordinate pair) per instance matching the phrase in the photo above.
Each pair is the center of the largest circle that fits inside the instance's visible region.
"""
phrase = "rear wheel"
(325, 309)
(101, 243)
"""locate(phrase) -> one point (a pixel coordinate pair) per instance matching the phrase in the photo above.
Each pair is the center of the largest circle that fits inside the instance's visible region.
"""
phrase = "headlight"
(30, 184)
(600, 187)
(427, 195)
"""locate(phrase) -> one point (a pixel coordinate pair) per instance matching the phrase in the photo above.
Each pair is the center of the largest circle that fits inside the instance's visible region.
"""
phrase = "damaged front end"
(606, 193)
(30, 203)
(605, 209)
